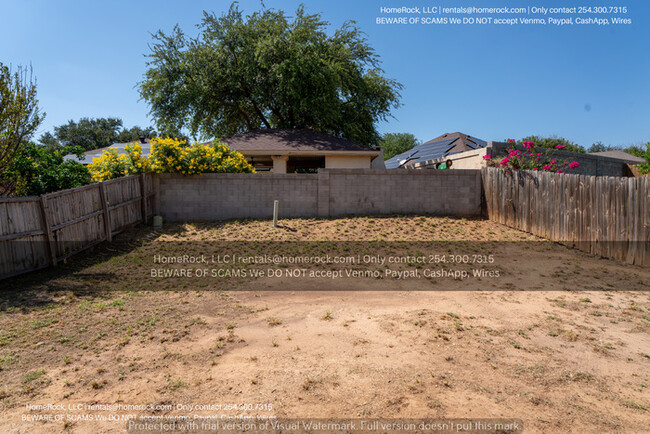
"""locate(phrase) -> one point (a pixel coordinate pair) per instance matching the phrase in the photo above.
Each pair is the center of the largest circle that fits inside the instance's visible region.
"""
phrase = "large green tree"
(89, 133)
(397, 143)
(599, 147)
(268, 70)
(134, 133)
(19, 113)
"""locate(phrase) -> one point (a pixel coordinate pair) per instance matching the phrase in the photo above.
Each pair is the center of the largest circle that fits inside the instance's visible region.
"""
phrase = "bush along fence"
(606, 216)
(40, 231)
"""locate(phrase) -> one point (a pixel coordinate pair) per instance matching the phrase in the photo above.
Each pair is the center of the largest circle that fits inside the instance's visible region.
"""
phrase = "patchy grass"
(562, 346)
(33, 376)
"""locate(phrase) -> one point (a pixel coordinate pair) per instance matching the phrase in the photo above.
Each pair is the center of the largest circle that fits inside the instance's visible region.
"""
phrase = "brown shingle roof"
(290, 140)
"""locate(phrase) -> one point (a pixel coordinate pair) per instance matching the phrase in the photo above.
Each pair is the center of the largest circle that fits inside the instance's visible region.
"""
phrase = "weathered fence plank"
(606, 216)
(47, 231)
(106, 212)
(39, 231)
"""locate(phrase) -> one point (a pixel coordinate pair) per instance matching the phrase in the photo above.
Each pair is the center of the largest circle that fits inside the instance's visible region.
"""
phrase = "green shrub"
(37, 170)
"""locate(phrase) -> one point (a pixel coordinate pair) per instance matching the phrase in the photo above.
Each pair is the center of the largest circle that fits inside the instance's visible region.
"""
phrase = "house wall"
(347, 162)
(590, 164)
(465, 160)
(331, 192)
(280, 163)
(378, 161)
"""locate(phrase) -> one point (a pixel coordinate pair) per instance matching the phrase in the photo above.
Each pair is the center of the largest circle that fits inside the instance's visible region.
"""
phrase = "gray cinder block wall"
(330, 193)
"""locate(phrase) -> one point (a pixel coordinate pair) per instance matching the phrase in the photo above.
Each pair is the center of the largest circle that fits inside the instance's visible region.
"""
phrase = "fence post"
(156, 193)
(143, 193)
(47, 230)
(107, 217)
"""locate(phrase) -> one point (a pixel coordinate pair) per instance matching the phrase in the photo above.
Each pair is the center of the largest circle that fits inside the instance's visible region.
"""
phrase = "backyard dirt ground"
(557, 338)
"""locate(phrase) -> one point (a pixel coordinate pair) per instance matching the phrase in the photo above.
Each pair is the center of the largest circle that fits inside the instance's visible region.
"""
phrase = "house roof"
(264, 141)
(442, 146)
(144, 143)
(462, 142)
(285, 141)
(620, 155)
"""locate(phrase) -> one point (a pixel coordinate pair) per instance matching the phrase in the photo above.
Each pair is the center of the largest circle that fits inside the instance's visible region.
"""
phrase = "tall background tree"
(91, 134)
(19, 113)
(268, 70)
(397, 143)
(599, 147)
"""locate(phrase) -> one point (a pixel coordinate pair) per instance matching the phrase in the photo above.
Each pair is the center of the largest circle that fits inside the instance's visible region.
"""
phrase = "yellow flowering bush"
(112, 164)
(174, 156)
(169, 156)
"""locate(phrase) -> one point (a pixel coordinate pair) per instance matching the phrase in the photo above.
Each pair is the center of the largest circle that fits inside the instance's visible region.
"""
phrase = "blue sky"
(585, 83)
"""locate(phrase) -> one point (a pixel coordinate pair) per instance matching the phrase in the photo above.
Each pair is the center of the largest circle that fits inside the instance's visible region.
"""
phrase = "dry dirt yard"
(560, 340)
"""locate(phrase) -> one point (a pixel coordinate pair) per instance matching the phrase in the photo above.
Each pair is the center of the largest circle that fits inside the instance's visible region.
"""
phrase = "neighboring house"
(89, 155)
(438, 148)
(289, 151)
(284, 151)
(589, 164)
(620, 155)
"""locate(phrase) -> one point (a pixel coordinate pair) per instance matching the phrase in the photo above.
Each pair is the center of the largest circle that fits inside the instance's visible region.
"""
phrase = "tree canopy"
(91, 134)
(19, 113)
(397, 143)
(645, 167)
(268, 70)
(599, 147)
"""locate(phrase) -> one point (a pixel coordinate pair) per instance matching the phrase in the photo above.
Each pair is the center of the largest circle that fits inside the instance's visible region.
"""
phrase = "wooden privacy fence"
(605, 216)
(601, 215)
(36, 232)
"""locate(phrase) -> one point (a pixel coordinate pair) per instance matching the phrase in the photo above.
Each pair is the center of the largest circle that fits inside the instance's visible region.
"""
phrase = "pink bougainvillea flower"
(574, 164)
(553, 161)
(511, 140)
(539, 154)
(559, 147)
(565, 163)
(547, 167)
(560, 171)
(487, 156)
(504, 161)
(528, 144)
